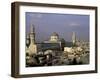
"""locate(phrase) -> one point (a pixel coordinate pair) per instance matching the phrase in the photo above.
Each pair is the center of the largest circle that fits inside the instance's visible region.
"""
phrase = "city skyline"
(64, 24)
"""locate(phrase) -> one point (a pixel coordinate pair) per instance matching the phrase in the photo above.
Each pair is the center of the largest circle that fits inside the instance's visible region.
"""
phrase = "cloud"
(39, 15)
(35, 15)
(74, 24)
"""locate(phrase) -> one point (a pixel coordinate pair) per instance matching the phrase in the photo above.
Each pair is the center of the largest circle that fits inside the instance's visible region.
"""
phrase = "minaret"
(27, 40)
(73, 38)
(32, 49)
(32, 34)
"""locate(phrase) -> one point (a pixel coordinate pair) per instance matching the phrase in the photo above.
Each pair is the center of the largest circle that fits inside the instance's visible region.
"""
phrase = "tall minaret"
(32, 49)
(73, 38)
(32, 34)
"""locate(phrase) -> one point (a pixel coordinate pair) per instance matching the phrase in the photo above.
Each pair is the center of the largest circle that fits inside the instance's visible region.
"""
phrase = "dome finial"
(54, 34)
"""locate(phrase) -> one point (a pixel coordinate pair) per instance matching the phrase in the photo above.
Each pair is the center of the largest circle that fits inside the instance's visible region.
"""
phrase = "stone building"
(31, 47)
(54, 42)
(54, 37)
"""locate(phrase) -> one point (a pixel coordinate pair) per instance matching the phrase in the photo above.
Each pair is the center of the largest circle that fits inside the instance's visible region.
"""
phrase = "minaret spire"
(32, 28)
(32, 34)
(74, 38)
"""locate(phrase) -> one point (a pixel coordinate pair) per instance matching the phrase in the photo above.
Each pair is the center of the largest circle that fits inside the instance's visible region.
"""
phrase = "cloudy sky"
(64, 24)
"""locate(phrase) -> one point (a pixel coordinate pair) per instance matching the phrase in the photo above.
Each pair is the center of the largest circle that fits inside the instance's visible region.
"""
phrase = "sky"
(63, 24)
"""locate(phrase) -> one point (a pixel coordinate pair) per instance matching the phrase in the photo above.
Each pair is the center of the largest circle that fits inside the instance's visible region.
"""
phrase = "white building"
(68, 49)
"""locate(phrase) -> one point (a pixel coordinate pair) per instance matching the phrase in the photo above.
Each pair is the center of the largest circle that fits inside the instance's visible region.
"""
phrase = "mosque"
(53, 43)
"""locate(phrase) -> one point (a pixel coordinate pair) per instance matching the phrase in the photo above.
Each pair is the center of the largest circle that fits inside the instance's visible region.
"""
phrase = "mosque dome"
(54, 37)
(54, 34)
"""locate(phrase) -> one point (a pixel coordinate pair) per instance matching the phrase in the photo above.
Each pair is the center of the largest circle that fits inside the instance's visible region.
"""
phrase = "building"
(31, 47)
(74, 38)
(54, 37)
(51, 46)
(69, 45)
(54, 43)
